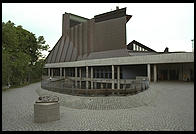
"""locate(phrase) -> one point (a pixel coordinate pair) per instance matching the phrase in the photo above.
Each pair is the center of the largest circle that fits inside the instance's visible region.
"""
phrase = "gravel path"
(164, 106)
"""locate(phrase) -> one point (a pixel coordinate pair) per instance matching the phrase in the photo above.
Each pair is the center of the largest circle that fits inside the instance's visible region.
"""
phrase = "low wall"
(66, 86)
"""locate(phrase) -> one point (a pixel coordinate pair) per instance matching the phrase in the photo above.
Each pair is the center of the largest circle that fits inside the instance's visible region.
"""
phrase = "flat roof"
(129, 60)
(77, 18)
(112, 15)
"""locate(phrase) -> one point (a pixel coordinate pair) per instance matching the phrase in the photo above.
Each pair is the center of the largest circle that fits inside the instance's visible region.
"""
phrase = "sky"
(156, 25)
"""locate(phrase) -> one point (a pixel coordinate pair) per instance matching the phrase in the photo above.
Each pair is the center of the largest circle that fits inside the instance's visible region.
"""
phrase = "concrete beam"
(130, 60)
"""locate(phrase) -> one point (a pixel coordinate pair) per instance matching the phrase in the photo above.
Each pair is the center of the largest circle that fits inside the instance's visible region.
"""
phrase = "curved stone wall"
(67, 86)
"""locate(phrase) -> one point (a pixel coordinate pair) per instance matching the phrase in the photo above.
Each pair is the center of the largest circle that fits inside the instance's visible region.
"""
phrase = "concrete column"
(108, 85)
(118, 77)
(52, 74)
(95, 73)
(80, 71)
(95, 85)
(181, 72)
(61, 72)
(112, 76)
(124, 86)
(64, 72)
(155, 73)
(86, 77)
(76, 77)
(91, 77)
(48, 72)
(101, 85)
(148, 71)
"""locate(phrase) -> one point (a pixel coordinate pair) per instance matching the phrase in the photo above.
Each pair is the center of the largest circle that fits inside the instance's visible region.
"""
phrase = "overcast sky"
(156, 25)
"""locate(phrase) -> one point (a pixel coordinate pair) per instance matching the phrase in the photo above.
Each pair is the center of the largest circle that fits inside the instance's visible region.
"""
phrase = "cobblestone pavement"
(164, 106)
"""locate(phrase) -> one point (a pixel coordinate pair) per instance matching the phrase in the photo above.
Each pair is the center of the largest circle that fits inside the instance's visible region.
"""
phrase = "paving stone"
(167, 106)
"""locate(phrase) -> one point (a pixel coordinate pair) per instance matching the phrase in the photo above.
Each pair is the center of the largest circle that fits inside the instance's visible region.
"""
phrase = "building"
(93, 54)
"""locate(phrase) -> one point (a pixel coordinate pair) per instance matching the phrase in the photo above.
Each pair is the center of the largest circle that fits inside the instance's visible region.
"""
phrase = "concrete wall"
(110, 34)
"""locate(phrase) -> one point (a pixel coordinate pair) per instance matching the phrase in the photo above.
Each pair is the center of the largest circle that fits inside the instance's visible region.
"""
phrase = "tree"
(20, 53)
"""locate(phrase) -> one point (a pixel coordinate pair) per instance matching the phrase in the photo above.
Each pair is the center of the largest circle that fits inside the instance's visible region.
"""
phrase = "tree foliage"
(21, 53)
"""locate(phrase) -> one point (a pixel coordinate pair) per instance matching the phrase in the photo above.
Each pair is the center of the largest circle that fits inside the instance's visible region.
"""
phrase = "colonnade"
(90, 78)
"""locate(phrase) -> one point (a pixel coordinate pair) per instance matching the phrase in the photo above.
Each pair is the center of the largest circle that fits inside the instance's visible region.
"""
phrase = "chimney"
(117, 7)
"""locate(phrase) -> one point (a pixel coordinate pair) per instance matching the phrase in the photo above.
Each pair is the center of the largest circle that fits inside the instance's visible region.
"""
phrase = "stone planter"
(46, 112)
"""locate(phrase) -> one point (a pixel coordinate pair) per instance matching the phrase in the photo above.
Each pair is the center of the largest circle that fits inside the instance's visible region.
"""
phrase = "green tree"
(21, 51)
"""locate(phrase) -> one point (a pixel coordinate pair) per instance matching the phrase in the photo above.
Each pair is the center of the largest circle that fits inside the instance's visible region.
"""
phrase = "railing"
(68, 86)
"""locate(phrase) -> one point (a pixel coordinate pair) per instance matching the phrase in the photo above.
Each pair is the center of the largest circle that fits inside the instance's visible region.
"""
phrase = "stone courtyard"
(164, 106)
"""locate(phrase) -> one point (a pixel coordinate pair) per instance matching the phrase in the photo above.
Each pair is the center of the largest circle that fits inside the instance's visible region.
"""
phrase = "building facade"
(93, 54)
